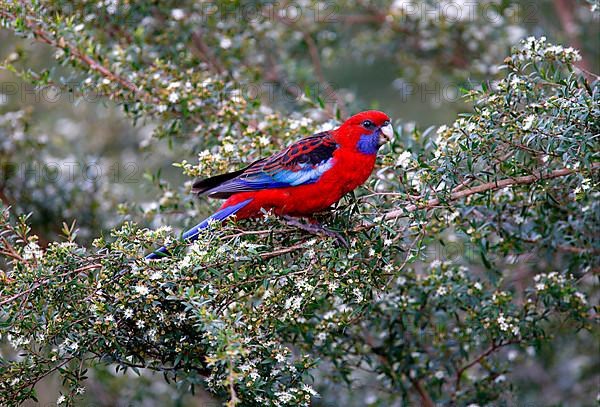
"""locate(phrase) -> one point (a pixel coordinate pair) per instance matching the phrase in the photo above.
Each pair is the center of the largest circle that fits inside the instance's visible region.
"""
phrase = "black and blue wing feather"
(301, 163)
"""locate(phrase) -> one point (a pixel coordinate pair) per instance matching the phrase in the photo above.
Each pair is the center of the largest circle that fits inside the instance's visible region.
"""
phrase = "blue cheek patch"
(368, 143)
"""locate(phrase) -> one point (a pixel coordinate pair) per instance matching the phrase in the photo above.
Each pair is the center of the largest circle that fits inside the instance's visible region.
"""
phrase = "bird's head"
(365, 131)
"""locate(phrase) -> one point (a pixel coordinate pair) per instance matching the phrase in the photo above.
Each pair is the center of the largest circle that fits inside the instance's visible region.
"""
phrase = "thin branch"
(284, 250)
(564, 10)
(425, 398)
(494, 347)
(423, 394)
(74, 52)
(489, 186)
(205, 53)
(41, 283)
(313, 51)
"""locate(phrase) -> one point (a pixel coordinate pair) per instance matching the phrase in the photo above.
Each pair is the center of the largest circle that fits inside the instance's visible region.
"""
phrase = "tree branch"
(564, 10)
(489, 186)
(494, 347)
(204, 52)
(313, 51)
(49, 280)
(425, 398)
(74, 52)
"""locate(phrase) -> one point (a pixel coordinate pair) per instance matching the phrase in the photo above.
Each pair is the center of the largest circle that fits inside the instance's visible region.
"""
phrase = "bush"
(475, 244)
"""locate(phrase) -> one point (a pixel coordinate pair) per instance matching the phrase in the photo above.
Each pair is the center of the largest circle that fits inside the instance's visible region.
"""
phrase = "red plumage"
(305, 178)
(350, 167)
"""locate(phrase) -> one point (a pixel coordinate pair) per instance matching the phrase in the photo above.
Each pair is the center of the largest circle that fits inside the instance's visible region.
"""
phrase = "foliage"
(470, 247)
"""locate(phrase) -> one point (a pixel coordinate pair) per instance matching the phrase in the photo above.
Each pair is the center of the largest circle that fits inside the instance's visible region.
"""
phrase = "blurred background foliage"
(210, 85)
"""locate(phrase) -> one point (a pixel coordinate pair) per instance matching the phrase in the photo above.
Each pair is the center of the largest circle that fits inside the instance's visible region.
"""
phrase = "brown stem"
(205, 53)
(41, 283)
(316, 62)
(489, 186)
(74, 52)
(425, 398)
(564, 10)
(313, 51)
(284, 250)
(494, 347)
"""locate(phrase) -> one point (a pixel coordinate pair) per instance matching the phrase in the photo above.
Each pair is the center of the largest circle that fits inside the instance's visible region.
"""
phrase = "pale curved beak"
(388, 133)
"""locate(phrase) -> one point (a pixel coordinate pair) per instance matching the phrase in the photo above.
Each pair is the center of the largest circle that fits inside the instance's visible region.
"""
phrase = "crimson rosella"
(305, 178)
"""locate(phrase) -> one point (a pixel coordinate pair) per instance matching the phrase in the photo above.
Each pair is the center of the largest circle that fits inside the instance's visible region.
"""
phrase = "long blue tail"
(192, 234)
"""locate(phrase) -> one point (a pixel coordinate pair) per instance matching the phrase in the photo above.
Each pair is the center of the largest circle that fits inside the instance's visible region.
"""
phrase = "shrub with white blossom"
(474, 246)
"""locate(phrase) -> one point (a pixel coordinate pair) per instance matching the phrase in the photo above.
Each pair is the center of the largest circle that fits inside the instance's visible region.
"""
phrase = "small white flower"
(31, 251)
(404, 159)
(73, 345)
(586, 184)
(293, 303)
(225, 43)
(388, 242)
(157, 275)
(441, 291)
(177, 14)
(581, 297)
(61, 399)
(309, 390)
(358, 294)
(264, 141)
(528, 122)
(173, 97)
(439, 375)
(128, 313)
(141, 289)
(516, 81)
(140, 324)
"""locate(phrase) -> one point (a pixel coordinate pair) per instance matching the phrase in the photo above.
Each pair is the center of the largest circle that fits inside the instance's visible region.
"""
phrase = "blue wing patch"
(301, 163)
(307, 173)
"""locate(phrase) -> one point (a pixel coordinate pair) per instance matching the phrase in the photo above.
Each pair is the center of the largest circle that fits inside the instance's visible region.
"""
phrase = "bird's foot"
(315, 228)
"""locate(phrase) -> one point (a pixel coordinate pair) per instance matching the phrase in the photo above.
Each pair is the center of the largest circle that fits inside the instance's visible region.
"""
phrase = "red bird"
(305, 178)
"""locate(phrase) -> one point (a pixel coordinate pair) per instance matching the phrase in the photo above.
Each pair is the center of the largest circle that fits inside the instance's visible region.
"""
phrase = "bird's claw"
(336, 235)
(316, 229)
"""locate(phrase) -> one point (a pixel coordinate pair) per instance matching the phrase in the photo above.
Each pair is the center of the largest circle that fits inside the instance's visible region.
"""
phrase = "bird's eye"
(368, 124)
